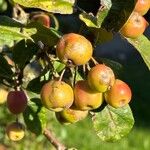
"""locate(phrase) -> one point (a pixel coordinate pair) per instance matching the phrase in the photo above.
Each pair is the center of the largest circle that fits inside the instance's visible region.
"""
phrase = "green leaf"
(10, 30)
(33, 95)
(36, 89)
(112, 124)
(48, 36)
(58, 66)
(115, 13)
(23, 52)
(93, 24)
(78, 76)
(142, 44)
(5, 68)
(111, 15)
(104, 11)
(55, 6)
(35, 116)
(89, 20)
(101, 35)
(75, 76)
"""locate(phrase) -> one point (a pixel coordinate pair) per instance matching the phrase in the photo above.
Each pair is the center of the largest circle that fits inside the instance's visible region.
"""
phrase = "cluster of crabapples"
(72, 103)
(136, 24)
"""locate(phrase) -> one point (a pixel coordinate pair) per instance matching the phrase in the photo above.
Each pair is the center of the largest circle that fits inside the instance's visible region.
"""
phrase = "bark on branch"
(54, 141)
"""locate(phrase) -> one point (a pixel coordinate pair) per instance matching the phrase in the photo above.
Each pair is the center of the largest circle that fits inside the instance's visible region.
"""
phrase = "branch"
(54, 141)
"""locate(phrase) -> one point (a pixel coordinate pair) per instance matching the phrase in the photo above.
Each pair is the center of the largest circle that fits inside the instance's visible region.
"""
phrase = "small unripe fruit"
(16, 102)
(74, 49)
(70, 115)
(142, 6)
(15, 131)
(135, 26)
(3, 95)
(42, 19)
(119, 95)
(85, 98)
(57, 95)
(100, 78)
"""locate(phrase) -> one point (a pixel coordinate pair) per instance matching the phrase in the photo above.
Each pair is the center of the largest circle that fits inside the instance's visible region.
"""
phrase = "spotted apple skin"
(57, 95)
(119, 95)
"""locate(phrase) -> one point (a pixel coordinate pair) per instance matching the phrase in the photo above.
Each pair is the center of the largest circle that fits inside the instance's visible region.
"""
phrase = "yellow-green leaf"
(89, 20)
(10, 30)
(111, 16)
(55, 6)
(113, 124)
(142, 44)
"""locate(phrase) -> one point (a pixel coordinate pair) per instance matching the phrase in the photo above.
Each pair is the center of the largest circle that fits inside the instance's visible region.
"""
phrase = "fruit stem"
(84, 71)
(88, 67)
(18, 78)
(75, 75)
(62, 74)
(48, 134)
(94, 61)
(55, 21)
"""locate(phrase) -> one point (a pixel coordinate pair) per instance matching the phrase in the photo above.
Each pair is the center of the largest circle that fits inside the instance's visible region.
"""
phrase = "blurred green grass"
(82, 136)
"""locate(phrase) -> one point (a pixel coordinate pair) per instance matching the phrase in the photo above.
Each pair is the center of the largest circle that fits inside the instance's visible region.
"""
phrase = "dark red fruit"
(16, 101)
